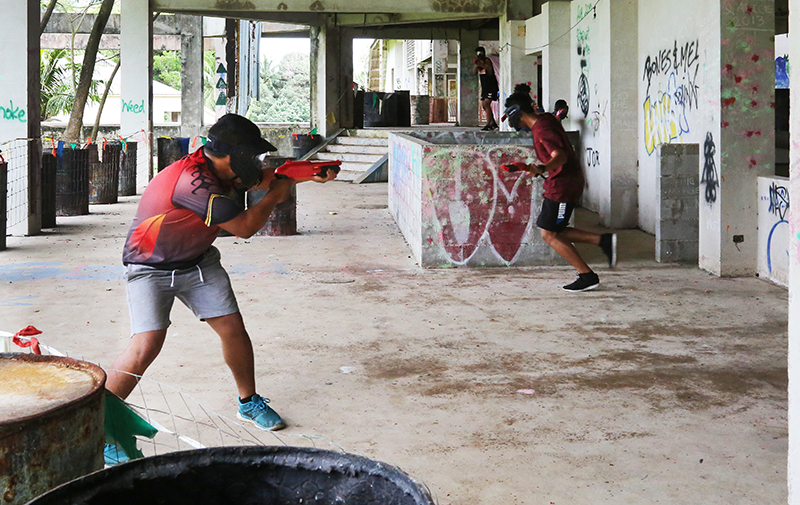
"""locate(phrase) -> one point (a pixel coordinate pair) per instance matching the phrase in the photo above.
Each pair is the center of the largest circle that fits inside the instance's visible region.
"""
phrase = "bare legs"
(562, 244)
(144, 347)
(486, 105)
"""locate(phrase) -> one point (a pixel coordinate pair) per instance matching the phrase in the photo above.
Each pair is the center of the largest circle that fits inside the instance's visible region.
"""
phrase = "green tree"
(285, 91)
(57, 85)
(167, 68)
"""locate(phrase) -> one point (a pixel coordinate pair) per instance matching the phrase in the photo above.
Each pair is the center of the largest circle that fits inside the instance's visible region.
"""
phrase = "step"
(356, 149)
(349, 175)
(362, 141)
(368, 133)
(358, 158)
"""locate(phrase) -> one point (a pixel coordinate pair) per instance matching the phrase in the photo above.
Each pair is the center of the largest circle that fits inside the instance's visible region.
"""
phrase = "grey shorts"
(205, 289)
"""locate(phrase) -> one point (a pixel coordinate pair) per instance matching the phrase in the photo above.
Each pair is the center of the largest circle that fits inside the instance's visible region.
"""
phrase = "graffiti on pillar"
(583, 93)
(592, 157)
(12, 113)
(709, 170)
(135, 108)
(778, 200)
(671, 92)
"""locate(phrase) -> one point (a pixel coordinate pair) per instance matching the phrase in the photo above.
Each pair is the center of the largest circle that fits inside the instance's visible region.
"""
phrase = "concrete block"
(677, 251)
(677, 230)
(679, 159)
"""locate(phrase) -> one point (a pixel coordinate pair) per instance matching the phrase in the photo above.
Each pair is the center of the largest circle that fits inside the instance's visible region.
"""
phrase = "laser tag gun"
(298, 169)
(518, 165)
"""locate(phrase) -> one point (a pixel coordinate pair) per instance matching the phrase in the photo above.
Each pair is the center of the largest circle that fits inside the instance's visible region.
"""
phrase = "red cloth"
(565, 183)
(33, 342)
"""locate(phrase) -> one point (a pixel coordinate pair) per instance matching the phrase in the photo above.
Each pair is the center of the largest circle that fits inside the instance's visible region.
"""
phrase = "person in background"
(489, 88)
(563, 188)
(561, 109)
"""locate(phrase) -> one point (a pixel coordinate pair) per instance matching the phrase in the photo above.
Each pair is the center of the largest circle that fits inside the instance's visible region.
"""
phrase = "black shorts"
(555, 215)
(490, 95)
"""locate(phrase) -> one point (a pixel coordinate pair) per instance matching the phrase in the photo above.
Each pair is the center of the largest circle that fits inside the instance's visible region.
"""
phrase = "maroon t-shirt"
(179, 214)
(565, 183)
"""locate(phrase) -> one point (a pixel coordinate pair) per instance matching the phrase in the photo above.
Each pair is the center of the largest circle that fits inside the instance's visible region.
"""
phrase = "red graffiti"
(737, 78)
(755, 89)
(749, 10)
(727, 102)
(753, 163)
(728, 67)
(511, 215)
(754, 103)
(755, 57)
(725, 124)
(772, 104)
(751, 133)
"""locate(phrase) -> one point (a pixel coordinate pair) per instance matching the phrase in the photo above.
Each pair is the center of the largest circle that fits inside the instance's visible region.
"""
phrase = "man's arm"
(251, 220)
(557, 159)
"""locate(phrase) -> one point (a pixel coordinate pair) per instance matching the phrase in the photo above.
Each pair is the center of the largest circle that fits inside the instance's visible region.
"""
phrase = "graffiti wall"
(678, 92)
(773, 229)
(456, 206)
(590, 107)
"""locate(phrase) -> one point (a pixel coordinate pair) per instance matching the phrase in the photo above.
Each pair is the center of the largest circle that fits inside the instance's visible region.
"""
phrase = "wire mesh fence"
(15, 153)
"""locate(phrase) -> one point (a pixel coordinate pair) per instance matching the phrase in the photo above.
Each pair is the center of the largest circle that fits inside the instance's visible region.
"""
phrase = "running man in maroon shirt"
(169, 254)
(563, 188)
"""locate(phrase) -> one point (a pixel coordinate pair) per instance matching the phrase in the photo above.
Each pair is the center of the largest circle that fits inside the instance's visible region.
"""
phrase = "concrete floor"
(664, 385)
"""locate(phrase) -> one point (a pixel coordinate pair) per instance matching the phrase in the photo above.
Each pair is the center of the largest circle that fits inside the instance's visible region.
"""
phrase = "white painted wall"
(773, 229)
(13, 78)
(663, 116)
(589, 100)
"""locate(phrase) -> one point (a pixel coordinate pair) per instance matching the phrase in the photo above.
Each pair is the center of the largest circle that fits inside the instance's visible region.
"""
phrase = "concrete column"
(794, 266)
(677, 208)
(467, 81)
(20, 103)
(746, 142)
(191, 28)
(515, 65)
(555, 54)
(622, 208)
(326, 79)
(136, 78)
(345, 73)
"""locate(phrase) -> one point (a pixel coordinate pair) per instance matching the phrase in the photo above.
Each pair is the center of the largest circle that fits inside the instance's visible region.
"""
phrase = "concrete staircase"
(358, 151)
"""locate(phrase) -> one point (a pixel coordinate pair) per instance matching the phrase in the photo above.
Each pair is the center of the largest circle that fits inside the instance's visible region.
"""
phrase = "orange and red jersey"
(179, 213)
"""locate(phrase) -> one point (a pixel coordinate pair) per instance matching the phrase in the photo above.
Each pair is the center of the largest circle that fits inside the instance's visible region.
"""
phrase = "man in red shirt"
(169, 254)
(563, 188)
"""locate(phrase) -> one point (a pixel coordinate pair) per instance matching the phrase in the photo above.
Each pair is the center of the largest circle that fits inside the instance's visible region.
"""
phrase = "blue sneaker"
(114, 455)
(259, 413)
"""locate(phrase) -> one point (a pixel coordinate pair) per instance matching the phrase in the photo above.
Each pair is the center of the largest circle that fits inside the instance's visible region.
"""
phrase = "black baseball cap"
(233, 130)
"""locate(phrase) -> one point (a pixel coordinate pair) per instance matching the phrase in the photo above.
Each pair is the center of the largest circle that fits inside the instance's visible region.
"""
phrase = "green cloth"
(122, 425)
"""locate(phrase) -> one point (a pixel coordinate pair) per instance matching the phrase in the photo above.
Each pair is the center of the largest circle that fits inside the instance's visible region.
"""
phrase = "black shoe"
(608, 243)
(585, 282)
(490, 127)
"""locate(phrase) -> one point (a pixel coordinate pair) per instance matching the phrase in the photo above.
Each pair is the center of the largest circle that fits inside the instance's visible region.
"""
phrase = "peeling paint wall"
(457, 207)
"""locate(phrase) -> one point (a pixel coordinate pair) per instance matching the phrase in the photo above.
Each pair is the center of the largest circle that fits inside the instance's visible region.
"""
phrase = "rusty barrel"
(127, 170)
(104, 179)
(169, 150)
(283, 220)
(51, 423)
(72, 181)
(49, 164)
(261, 474)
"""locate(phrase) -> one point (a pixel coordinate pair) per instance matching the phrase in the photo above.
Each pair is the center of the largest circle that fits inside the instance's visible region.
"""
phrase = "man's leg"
(140, 353)
(237, 349)
(486, 105)
(563, 246)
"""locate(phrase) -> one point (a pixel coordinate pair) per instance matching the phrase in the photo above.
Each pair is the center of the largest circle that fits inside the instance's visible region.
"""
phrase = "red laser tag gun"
(516, 166)
(298, 169)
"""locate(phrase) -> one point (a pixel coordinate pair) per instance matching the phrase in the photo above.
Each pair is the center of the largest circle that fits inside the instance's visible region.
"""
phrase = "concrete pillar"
(555, 54)
(136, 78)
(331, 78)
(20, 104)
(468, 87)
(794, 265)
(515, 65)
(677, 209)
(622, 208)
(191, 28)
(746, 142)
(603, 107)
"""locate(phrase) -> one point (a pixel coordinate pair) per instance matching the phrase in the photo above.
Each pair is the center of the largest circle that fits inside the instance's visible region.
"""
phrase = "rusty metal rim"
(9, 427)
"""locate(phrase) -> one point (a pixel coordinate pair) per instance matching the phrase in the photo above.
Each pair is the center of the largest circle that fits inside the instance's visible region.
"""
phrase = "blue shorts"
(204, 288)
